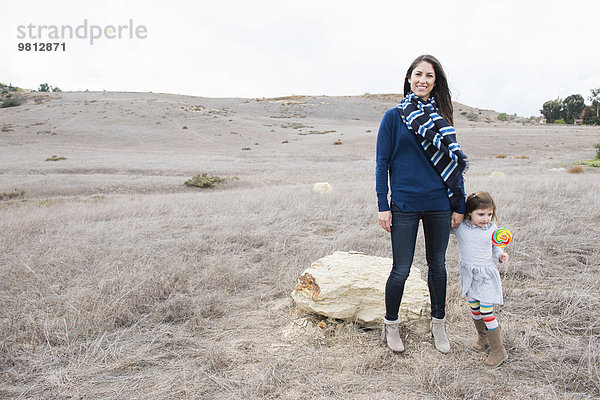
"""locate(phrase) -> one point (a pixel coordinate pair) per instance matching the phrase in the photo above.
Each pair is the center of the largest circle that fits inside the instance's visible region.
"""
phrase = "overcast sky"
(506, 55)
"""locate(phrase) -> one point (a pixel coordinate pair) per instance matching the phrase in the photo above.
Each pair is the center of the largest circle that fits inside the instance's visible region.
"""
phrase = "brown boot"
(479, 343)
(497, 351)
(391, 334)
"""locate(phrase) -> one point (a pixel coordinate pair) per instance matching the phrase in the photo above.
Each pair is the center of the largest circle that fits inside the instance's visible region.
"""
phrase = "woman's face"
(422, 80)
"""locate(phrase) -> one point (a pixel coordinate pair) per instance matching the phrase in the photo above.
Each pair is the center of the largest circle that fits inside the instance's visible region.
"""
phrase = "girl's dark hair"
(440, 91)
(480, 201)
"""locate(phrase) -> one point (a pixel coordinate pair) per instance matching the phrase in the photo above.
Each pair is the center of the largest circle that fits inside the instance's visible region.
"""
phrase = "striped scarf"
(438, 139)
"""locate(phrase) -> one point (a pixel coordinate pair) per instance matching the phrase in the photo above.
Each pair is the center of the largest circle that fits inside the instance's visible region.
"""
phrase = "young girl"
(479, 275)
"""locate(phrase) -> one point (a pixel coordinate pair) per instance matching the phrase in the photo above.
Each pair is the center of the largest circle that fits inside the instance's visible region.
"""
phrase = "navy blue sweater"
(414, 183)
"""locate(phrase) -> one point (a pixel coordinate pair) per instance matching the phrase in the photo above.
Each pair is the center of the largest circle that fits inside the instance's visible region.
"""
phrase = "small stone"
(322, 187)
(498, 175)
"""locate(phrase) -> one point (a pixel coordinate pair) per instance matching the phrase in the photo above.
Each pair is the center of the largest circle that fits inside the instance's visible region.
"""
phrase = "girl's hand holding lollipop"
(501, 238)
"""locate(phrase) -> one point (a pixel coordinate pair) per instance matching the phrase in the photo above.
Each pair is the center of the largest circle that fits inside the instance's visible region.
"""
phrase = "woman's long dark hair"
(440, 91)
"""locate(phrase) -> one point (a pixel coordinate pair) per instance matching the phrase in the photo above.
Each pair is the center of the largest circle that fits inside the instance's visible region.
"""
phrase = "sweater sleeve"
(497, 251)
(462, 206)
(384, 155)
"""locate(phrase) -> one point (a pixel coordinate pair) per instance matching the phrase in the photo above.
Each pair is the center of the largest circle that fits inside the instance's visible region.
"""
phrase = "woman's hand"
(385, 220)
(457, 219)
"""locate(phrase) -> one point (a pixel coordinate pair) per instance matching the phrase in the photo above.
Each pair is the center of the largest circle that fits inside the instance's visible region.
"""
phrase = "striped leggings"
(485, 312)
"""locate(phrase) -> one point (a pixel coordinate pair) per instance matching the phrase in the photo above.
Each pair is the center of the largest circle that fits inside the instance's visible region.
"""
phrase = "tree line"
(572, 109)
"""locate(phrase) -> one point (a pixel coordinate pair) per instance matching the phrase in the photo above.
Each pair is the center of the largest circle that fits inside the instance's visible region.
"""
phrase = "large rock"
(351, 286)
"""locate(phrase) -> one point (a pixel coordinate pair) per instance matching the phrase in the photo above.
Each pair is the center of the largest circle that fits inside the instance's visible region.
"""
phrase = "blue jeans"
(436, 228)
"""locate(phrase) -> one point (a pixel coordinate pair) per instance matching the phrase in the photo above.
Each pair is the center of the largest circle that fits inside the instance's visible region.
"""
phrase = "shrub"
(472, 116)
(501, 156)
(560, 121)
(12, 102)
(7, 89)
(56, 158)
(203, 181)
(575, 169)
(590, 163)
(12, 195)
(503, 117)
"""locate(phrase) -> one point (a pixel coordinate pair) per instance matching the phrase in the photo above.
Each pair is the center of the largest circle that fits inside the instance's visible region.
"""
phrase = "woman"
(417, 150)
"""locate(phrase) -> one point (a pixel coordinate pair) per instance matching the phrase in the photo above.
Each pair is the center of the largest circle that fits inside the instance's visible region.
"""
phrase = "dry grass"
(576, 169)
(132, 292)
(175, 296)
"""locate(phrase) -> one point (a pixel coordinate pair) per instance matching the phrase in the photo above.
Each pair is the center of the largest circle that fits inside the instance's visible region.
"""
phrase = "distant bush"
(472, 116)
(575, 169)
(501, 156)
(56, 158)
(12, 195)
(12, 101)
(44, 87)
(590, 163)
(503, 117)
(203, 181)
(560, 121)
(4, 89)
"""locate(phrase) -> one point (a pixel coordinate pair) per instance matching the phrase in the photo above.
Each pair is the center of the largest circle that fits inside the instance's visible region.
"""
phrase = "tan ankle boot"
(438, 330)
(391, 334)
(497, 351)
(479, 343)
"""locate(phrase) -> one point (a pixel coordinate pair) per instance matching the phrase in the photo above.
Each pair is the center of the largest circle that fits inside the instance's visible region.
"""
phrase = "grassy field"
(119, 282)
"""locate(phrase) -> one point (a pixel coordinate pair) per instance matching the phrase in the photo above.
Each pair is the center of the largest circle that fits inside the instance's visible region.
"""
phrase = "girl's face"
(422, 80)
(482, 216)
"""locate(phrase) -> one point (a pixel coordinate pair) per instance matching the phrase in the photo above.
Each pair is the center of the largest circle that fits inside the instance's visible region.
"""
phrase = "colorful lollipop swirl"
(501, 237)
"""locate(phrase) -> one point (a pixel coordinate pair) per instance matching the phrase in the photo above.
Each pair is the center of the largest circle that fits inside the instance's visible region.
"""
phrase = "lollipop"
(501, 237)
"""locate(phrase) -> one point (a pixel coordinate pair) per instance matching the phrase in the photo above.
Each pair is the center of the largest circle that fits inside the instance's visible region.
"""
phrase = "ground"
(118, 281)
